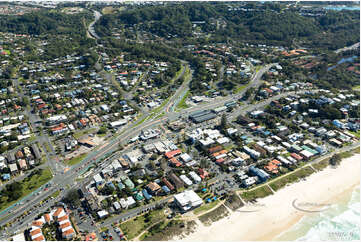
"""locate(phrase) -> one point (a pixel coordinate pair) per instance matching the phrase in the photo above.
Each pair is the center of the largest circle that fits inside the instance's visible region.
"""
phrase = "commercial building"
(187, 200)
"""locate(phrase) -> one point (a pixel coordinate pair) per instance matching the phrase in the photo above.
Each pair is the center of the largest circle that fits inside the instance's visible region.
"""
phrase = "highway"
(91, 29)
(68, 179)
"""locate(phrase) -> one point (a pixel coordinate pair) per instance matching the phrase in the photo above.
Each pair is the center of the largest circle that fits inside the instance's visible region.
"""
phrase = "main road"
(64, 180)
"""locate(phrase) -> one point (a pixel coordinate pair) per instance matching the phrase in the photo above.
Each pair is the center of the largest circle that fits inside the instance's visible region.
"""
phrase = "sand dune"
(276, 213)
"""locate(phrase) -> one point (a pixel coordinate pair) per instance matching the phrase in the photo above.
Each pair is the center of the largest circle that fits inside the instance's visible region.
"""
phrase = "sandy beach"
(277, 213)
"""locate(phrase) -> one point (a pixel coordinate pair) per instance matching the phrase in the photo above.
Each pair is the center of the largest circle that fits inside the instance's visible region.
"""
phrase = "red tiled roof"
(297, 157)
(172, 153)
(57, 212)
(221, 160)
(47, 217)
(65, 217)
(69, 231)
(34, 232)
(64, 225)
(37, 223)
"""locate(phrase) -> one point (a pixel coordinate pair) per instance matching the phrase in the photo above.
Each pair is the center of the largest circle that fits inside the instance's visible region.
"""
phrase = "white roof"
(195, 177)
(223, 140)
(188, 199)
(186, 180)
(207, 141)
(64, 221)
(19, 237)
(130, 201)
(120, 122)
(185, 157)
(102, 213)
(98, 178)
(306, 153)
(123, 203)
(116, 205)
(116, 165)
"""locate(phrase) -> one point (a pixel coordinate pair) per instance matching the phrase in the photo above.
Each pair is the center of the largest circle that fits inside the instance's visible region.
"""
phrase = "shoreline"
(275, 214)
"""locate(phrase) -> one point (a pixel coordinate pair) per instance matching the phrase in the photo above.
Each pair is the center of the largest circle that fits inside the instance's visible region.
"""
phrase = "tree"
(102, 130)
(72, 197)
(224, 122)
(335, 160)
(204, 163)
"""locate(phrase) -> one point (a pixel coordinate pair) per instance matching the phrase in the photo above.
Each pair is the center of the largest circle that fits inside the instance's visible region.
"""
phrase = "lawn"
(356, 88)
(28, 185)
(259, 192)
(240, 88)
(135, 226)
(205, 207)
(182, 104)
(357, 134)
(76, 160)
(321, 165)
(291, 178)
(80, 133)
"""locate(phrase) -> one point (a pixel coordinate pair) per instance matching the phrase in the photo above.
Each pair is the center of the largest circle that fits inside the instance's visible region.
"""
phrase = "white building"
(187, 200)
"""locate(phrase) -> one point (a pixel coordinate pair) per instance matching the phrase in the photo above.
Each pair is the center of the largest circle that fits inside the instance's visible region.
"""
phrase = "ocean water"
(340, 8)
(341, 222)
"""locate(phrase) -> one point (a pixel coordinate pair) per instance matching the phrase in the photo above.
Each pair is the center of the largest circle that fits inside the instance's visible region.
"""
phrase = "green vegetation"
(72, 197)
(336, 159)
(268, 24)
(357, 134)
(136, 225)
(321, 165)
(80, 133)
(182, 104)
(356, 88)
(240, 88)
(49, 231)
(205, 207)
(167, 230)
(76, 159)
(234, 202)
(291, 178)
(47, 147)
(214, 215)
(258, 192)
(14, 191)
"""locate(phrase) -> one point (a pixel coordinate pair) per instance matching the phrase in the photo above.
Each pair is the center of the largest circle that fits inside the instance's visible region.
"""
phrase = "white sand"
(275, 214)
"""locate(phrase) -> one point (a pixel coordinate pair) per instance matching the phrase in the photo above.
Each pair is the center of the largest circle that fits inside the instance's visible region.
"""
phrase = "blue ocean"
(341, 222)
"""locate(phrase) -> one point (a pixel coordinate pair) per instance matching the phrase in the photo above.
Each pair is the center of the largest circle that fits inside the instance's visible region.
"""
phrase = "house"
(175, 180)
(195, 177)
(22, 164)
(202, 173)
(186, 180)
(167, 183)
(171, 154)
(272, 166)
(261, 174)
(130, 202)
(146, 194)
(68, 233)
(98, 180)
(187, 200)
(153, 188)
(249, 181)
(102, 214)
(13, 168)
